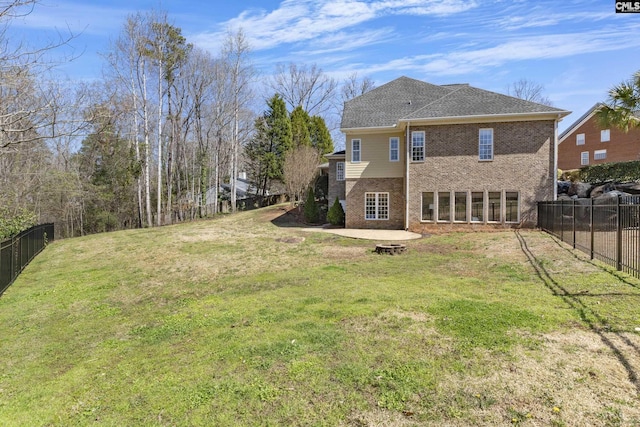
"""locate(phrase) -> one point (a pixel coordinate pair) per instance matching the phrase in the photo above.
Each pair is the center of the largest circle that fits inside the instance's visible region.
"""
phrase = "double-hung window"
(394, 149)
(605, 135)
(584, 158)
(580, 139)
(355, 150)
(485, 144)
(340, 171)
(376, 206)
(417, 146)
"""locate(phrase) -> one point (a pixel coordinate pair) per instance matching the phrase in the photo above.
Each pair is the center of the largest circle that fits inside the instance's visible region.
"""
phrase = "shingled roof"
(406, 99)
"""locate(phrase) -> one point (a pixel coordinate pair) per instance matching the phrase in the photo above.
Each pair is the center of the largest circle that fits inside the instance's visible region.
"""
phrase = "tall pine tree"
(271, 141)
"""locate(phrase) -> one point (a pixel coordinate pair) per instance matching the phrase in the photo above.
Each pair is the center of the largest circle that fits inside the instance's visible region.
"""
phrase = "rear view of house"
(419, 154)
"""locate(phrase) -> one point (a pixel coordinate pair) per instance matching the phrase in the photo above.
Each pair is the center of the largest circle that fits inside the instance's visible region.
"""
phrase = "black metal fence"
(608, 229)
(18, 251)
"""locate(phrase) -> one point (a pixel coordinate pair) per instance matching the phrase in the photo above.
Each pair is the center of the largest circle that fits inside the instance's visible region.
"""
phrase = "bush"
(311, 207)
(336, 213)
(12, 224)
(606, 172)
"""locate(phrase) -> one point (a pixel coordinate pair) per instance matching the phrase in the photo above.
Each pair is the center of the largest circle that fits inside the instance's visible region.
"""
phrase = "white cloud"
(550, 46)
(303, 20)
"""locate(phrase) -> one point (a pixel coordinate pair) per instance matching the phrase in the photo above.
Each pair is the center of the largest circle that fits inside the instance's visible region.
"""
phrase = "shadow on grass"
(573, 300)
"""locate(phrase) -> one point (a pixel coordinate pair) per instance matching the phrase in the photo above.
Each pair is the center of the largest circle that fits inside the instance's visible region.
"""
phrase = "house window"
(485, 144)
(355, 150)
(427, 207)
(494, 206)
(340, 171)
(417, 146)
(584, 158)
(460, 207)
(599, 154)
(477, 206)
(394, 149)
(376, 206)
(605, 135)
(580, 139)
(512, 205)
(444, 206)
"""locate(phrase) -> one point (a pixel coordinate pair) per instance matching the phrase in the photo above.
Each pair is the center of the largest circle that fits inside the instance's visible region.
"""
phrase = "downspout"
(555, 160)
(406, 181)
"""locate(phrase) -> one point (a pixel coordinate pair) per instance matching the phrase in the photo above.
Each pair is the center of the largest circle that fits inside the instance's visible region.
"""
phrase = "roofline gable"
(582, 120)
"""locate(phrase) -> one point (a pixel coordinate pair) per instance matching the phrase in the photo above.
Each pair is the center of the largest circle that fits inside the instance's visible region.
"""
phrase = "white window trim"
(600, 154)
(338, 170)
(359, 150)
(422, 207)
(500, 210)
(480, 144)
(582, 158)
(466, 207)
(605, 135)
(424, 143)
(484, 207)
(517, 221)
(377, 206)
(397, 149)
(580, 141)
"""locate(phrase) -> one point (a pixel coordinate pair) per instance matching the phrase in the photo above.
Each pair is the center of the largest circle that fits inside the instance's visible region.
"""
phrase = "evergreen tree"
(311, 207)
(271, 141)
(336, 214)
(300, 123)
(320, 136)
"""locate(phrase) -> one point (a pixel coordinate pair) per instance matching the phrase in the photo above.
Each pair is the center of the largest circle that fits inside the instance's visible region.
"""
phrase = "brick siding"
(523, 162)
(621, 147)
(336, 188)
(355, 192)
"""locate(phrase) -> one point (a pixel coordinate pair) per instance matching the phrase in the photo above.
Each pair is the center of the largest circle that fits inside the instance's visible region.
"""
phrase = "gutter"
(406, 181)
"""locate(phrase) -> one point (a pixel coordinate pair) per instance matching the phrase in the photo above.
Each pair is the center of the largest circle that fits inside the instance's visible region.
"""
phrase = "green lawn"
(240, 321)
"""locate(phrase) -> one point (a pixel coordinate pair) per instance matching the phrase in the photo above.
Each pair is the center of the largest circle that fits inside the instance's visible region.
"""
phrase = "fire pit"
(391, 248)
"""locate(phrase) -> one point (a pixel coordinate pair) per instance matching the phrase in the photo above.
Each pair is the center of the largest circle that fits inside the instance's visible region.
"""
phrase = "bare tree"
(354, 86)
(27, 103)
(299, 169)
(529, 91)
(305, 86)
(236, 53)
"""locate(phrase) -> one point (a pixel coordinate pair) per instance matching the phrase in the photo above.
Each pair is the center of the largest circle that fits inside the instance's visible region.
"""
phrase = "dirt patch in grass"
(573, 379)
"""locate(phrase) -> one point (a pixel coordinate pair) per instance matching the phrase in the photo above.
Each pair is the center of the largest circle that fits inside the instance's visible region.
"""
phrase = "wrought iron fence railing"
(17, 251)
(608, 229)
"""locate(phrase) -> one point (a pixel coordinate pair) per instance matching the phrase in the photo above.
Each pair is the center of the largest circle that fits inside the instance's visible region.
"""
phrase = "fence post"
(573, 215)
(592, 228)
(619, 236)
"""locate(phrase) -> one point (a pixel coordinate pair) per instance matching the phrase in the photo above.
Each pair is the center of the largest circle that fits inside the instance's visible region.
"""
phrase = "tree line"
(153, 140)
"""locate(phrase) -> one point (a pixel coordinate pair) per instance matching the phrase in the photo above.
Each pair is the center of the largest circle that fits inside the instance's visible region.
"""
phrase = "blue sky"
(576, 49)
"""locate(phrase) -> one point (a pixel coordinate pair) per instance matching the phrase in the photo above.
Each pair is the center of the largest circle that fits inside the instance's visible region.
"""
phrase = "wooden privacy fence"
(19, 250)
(606, 228)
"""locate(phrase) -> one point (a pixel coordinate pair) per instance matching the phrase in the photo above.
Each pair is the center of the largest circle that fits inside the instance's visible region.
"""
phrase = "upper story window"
(485, 144)
(355, 150)
(580, 139)
(417, 146)
(584, 158)
(605, 135)
(340, 171)
(394, 149)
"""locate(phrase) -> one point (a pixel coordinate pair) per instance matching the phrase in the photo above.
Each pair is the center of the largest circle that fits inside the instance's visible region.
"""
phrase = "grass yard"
(248, 320)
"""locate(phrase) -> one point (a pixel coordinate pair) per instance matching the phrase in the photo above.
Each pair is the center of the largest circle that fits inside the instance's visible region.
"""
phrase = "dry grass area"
(249, 320)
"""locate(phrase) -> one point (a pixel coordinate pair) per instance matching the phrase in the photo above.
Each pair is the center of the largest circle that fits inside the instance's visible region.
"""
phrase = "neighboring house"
(419, 154)
(586, 143)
